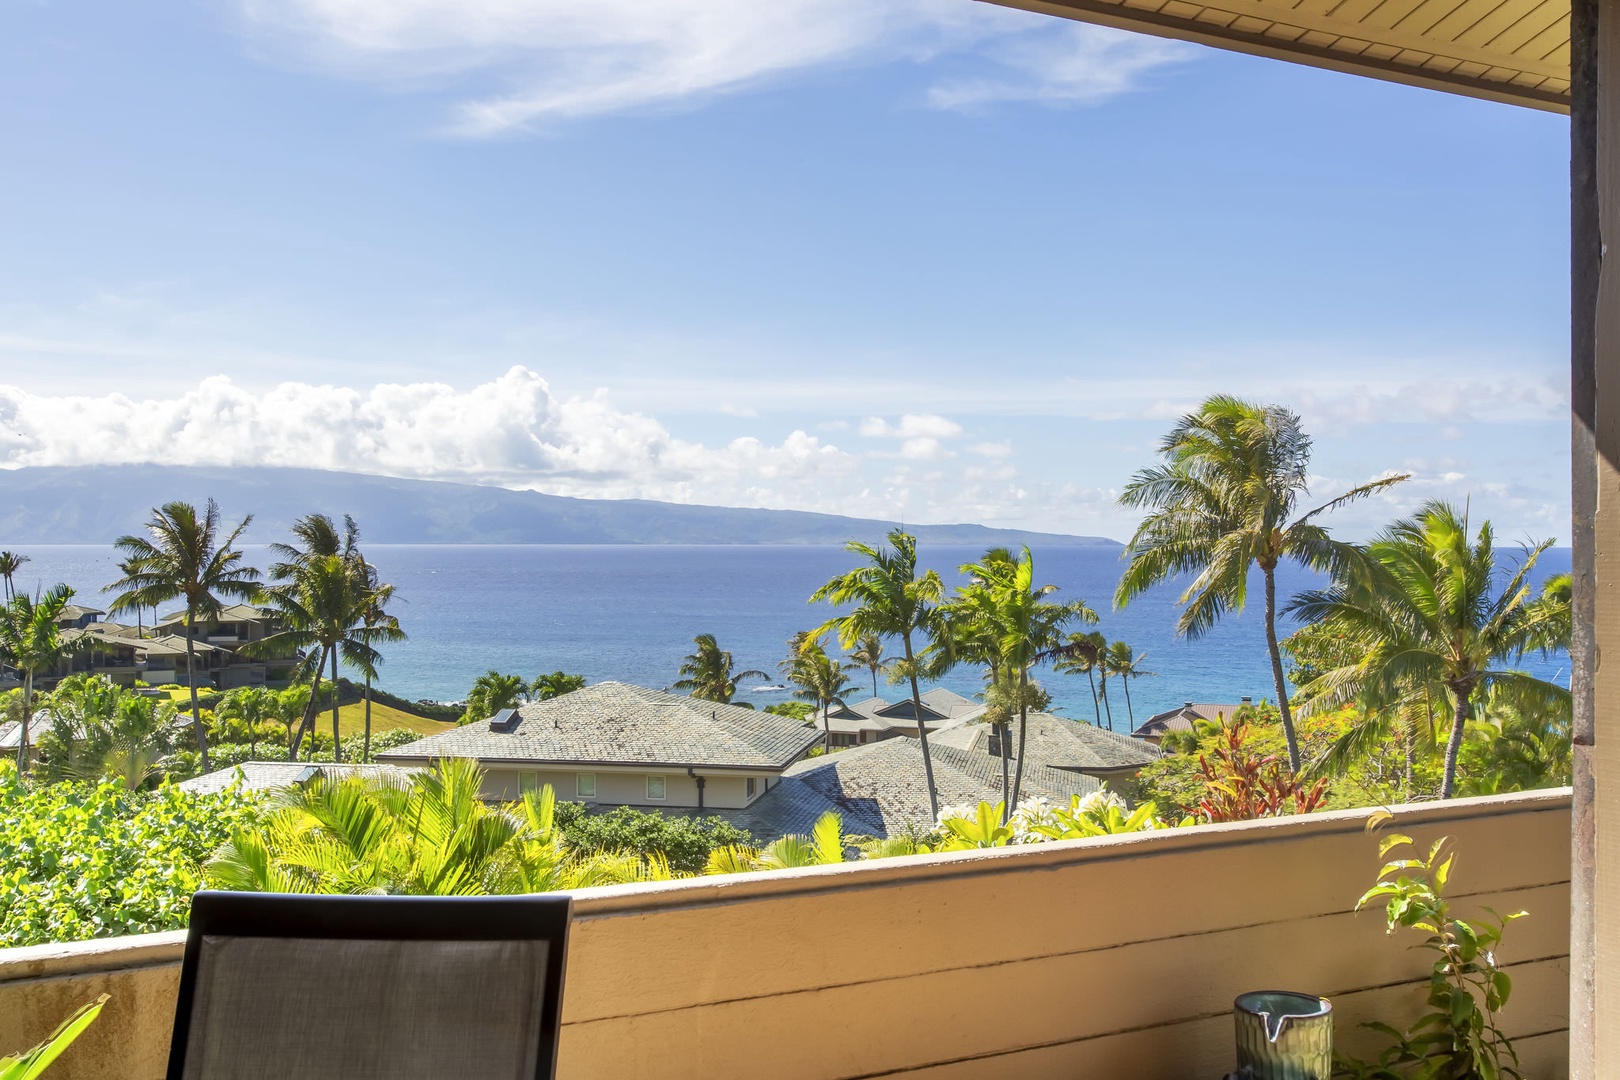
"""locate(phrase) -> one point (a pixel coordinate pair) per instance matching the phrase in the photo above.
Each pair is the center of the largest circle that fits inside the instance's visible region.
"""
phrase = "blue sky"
(931, 260)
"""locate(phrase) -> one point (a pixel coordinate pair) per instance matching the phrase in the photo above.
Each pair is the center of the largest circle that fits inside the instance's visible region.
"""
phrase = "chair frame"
(386, 918)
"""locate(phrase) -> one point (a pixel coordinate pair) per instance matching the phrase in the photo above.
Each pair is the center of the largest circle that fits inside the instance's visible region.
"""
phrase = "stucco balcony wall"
(1111, 957)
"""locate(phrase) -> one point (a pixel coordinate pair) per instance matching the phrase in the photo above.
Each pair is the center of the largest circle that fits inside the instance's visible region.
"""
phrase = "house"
(1182, 717)
(234, 626)
(77, 616)
(879, 789)
(1055, 743)
(615, 744)
(876, 719)
(165, 659)
(279, 775)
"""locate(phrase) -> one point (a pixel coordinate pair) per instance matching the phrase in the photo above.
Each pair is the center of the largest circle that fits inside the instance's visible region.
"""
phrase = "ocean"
(629, 613)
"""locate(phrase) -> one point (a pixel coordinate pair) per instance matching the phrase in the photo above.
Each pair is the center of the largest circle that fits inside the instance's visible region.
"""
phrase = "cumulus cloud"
(511, 431)
(1077, 65)
(567, 58)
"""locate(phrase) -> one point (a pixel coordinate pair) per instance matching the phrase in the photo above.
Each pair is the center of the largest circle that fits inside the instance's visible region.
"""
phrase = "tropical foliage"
(818, 678)
(1458, 1035)
(1224, 500)
(1006, 622)
(191, 558)
(32, 640)
(84, 861)
(31, 1063)
(683, 842)
(888, 599)
(708, 673)
(1430, 623)
(429, 835)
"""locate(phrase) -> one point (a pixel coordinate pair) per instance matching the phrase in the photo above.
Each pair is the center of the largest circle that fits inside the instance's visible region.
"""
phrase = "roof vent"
(504, 721)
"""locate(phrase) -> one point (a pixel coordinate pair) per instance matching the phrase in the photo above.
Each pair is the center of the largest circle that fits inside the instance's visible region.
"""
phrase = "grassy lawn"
(352, 720)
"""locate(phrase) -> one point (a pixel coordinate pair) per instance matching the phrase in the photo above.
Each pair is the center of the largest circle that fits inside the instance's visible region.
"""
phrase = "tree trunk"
(922, 728)
(1125, 681)
(27, 715)
(1277, 676)
(826, 724)
(1095, 707)
(308, 721)
(1107, 705)
(1459, 719)
(191, 678)
(874, 680)
(1023, 720)
(1003, 742)
(365, 750)
(337, 751)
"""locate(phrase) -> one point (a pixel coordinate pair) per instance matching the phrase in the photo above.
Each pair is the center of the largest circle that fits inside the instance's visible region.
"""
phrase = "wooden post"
(1594, 1020)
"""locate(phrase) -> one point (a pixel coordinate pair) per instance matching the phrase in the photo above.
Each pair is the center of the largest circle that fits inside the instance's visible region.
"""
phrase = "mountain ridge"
(94, 504)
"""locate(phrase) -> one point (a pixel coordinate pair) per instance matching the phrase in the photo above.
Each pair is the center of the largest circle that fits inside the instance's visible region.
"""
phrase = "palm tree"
(33, 642)
(820, 678)
(322, 596)
(707, 673)
(185, 557)
(1224, 501)
(869, 655)
(250, 706)
(889, 599)
(375, 618)
(10, 563)
(492, 692)
(555, 685)
(1087, 650)
(1430, 620)
(1002, 608)
(1122, 661)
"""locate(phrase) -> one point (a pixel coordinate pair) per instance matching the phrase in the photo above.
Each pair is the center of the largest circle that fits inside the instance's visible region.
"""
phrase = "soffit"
(1515, 51)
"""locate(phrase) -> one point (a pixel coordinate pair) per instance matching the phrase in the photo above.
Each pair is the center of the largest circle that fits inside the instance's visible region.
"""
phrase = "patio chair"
(370, 988)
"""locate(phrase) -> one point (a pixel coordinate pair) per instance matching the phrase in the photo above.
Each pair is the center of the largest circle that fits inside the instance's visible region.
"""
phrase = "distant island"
(95, 504)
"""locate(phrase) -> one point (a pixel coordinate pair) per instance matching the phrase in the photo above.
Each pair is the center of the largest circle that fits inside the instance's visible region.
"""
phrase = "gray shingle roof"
(1181, 717)
(1060, 744)
(879, 789)
(615, 723)
(275, 775)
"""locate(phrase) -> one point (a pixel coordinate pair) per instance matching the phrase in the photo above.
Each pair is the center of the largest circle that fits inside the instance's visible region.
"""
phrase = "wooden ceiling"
(1515, 51)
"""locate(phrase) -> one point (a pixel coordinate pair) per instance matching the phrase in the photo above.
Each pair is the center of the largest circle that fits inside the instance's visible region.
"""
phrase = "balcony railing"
(1111, 957)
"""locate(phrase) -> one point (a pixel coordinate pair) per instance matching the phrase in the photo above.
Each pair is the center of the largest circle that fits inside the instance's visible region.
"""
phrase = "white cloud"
(1077, 65)
(993, 450)
(568, 58)
(911, 426)
(511, 431)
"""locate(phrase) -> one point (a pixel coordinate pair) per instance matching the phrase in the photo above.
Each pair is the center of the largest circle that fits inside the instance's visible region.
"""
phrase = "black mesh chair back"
(370, 988)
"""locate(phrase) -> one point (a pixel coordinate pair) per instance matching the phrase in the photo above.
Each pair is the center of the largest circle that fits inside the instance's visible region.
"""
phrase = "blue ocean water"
(629, 613)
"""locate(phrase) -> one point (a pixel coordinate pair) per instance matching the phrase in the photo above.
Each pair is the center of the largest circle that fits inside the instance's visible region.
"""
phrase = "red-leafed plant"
(1241, 785)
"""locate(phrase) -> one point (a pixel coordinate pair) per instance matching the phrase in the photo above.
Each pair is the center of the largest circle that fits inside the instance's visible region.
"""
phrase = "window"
(585, 785)
(528, 781)
(750, 787)
(655, 787)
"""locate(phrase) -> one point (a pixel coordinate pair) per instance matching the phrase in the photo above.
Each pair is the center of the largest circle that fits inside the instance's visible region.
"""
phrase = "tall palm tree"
(1432, 619)
(1224, 501)
(189, 558)
(1087, 651)
(869, 655)
(250, 706)
(10, 563)
(321, 596)
(33, 642)
(1122, 661)
(707, 672)
(889, 599)
(1001, 605)
(820, 678)
(375, 617)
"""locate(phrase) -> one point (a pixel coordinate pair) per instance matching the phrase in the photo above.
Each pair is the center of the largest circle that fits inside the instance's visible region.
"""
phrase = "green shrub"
(82, 861)
(685, 841)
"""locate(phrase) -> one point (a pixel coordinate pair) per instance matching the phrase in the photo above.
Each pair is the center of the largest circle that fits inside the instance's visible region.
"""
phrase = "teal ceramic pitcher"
(1283, 1036)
